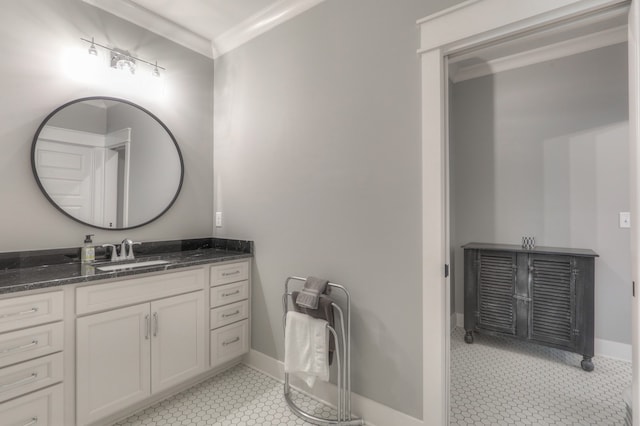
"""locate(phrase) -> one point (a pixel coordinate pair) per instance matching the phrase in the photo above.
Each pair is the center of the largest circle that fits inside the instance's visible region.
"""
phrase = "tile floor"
(240, 396)
(494, 381)
(497, 381)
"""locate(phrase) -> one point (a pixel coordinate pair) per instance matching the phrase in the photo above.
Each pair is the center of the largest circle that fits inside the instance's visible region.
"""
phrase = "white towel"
(306, 344)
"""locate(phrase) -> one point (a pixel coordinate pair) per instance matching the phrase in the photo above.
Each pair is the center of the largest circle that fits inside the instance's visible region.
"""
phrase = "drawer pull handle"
(228, 274)
(232, 314)
(146, 327)
(34, 342)
(231, 294)
(155, 324)
(33, 421)
(32, 377)
(229, 342)
(15, 314)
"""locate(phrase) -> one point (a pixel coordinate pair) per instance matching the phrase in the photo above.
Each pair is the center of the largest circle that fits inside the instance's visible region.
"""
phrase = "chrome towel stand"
(344, 417)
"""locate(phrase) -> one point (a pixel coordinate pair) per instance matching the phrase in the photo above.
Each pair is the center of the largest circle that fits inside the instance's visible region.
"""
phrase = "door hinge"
(576, 332)
(633, 288)
(446, 270)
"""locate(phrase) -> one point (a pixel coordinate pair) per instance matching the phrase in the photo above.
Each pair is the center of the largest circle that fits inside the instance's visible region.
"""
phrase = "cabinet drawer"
(229, 293)
(25, 311)
(31, 375)
(225, 274)
(129, 292)
(229, 342)
(23, 345)
(42, 408)
(228, 314)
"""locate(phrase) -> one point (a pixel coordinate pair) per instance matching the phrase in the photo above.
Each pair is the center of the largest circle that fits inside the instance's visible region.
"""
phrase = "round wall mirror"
(107, 163)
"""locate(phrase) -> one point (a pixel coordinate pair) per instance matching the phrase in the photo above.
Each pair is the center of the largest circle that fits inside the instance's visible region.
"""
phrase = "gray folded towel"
(324, 312)
(311, 292)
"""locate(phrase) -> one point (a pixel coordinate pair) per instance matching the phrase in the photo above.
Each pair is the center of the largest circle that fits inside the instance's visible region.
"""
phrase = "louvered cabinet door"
(552, 314)
(496, 282)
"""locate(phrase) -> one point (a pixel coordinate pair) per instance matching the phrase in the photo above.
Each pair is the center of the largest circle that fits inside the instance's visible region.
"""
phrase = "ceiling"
(209, 27)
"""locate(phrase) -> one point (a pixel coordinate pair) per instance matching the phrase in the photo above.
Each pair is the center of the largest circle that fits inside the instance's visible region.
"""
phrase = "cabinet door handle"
(34, 342)
(30, 378)
(228, 274)
(231, 294)
(155, 324)
(228, 342)
(232, 314)
(15, 314)
(146, 327)
(33, 421)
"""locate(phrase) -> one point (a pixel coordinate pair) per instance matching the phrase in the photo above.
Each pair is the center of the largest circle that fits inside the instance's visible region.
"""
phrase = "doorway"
(465, 28)
(541, 150)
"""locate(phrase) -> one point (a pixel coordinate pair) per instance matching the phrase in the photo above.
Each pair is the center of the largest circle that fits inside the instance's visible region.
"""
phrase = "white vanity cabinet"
(31, 359)
(128, 352)
(229, 323)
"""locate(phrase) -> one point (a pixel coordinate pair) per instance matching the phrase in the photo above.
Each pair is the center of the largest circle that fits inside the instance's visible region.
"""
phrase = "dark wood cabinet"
(543, 295)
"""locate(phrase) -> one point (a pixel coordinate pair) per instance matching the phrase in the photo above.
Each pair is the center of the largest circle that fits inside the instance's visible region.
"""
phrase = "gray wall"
(81, 116)
(35, 36)
(317, 159)
(543, 151)
(154, 168)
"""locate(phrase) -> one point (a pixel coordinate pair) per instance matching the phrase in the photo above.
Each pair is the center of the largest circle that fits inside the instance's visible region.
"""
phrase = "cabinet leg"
(587, 364)
(468, 337)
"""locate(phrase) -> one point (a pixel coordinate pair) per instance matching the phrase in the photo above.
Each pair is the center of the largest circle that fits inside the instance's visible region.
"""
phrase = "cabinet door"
(112, 357)
(552, 313)
(42, 408)
(496, 290)
(178, 342)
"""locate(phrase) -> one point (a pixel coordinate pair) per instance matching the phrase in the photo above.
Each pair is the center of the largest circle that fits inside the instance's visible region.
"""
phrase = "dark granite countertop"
(22, 271)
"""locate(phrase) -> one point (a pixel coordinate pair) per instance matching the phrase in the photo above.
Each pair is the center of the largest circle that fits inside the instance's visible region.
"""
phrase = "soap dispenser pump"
(88, 251)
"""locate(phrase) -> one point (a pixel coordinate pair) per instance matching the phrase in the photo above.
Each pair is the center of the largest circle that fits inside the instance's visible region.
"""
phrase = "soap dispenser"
(88, 251)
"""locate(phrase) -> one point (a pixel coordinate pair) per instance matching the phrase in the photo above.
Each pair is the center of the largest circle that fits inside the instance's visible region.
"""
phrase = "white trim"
(76, 137)
(604, 348)
(483, 21)
(611, 349)
(453, 322)
(459, 319)
(546, 53)
(252, 27)
(373, 412)
(261, 22)
(132, 12)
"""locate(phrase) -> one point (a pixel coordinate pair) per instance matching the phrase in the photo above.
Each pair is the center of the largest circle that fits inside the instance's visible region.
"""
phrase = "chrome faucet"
(126, 250)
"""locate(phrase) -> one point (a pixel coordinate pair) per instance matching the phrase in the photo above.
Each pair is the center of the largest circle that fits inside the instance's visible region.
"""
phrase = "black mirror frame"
(105, 98)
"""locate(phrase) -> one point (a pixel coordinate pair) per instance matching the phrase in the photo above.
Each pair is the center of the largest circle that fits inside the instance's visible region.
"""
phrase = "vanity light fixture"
(92, 49)
(123, 60)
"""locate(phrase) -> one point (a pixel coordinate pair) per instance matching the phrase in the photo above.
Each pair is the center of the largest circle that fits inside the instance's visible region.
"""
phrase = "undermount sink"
(109, 268)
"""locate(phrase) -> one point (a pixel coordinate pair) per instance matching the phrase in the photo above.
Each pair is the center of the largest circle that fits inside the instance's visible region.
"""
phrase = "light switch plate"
(625, 220)
(218, 219)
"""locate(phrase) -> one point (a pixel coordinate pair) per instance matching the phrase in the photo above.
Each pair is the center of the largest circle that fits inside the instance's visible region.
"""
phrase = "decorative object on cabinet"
(544, 295)
(341, 335)
(107, 163)
(32, 359)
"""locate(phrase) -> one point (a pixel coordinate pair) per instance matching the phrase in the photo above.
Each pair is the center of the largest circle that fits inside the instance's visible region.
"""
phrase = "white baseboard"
(604, 348)
(610, 349)
(371, 411)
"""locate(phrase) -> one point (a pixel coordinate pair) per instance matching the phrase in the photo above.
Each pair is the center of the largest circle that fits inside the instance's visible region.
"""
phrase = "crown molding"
(132, 12)
(261, 22)
(255, 25)
(562, 49)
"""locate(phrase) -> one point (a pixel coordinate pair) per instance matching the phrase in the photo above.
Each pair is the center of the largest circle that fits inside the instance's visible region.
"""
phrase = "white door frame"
(464, 26)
